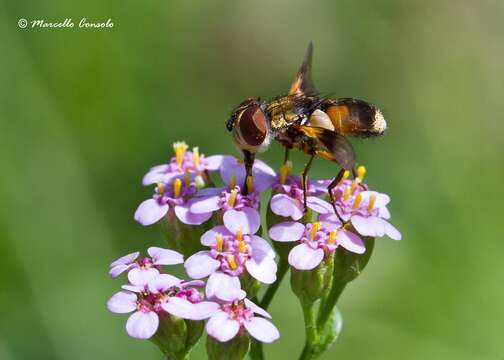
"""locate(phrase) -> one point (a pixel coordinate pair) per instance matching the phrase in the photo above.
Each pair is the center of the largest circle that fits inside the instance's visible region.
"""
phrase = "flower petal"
(141, 277)
(142, 325)
(150, 211)
(187, 217)
(247, 220)
(165, 256)
(221, 327)
(318, 205)
(213, 162)
(187, 310)
(264, 270)
(368, 226)
(256, 308)
(205, 204)
(208, 238)
(286, 231)
(262, 329)
(224, 287)
(261, 248)
(330, 221)
(391, 231)
(155, 174)
(162, 282)
(118, 270)
(126, 259)
(122, 302)
(351, 242)
(201, 265)
(284, 205)
(303, 257)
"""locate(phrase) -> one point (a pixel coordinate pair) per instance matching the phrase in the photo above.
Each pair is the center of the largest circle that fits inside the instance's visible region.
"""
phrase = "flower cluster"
(219, 229)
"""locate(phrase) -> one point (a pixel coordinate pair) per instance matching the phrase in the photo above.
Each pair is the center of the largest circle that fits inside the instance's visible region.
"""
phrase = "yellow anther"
(242, 246)
(239, 235)
(285, 171)
(372, 201)
(160, 188)
(314, 229)
(346, 194)
(232, 198)
(232, 181)
(361, 172)
(345, 176)
(357, 201)
(232, 262)
(195, 156)
(332, 237)
(177, 185)
(250, 184)
(353, 186)
(187, 179)
(220, 242)
(180, 148)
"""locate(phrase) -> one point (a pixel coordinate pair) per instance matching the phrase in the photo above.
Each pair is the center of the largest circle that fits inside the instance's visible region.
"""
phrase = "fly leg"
(304, 179)
(248, 159)
(330, 188)
(286, 156)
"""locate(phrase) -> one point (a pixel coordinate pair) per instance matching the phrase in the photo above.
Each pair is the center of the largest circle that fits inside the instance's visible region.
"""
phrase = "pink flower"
(234, 249)
(240, 315)
(316, 240)
(183, 162)
(232, 171)
(288, 198)
(176, 195)
(164, 294)
(366, 210)
(143, 270)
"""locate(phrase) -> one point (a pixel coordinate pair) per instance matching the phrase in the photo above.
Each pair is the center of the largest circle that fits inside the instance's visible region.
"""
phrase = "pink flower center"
(317, 236)
(237, 310)
(293, 188)
(233, 199)
(148, 301)
(233, 251)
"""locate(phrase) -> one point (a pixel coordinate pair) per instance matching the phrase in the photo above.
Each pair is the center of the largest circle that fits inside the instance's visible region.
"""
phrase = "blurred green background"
(84, 113)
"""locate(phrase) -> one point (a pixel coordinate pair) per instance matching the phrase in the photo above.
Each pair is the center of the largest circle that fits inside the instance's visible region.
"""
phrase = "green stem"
(283, 266)
(256, 350)
(328, 304)
(310, 331)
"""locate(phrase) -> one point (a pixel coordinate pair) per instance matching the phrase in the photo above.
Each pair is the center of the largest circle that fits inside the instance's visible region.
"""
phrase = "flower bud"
(234, 349)
(183, 237)
(171, 336)
(349, 265)
(311, 285)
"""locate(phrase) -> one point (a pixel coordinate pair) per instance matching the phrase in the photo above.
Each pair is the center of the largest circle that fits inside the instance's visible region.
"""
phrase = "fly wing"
(303, 83)
(333, 146)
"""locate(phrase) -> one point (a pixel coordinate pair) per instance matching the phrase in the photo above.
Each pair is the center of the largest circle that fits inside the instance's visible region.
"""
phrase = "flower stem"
(256, 350)
(328, 304)
(283, 266)
(310, 331)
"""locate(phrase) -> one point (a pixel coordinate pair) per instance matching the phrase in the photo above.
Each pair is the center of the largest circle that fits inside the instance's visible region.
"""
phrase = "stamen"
(314, 229)
(177, 185)
(232, 198)
(345, 176)
(372, 201)
(361, 172)
(357, 201)
(160, 187)
(196, 156)
(353, 186)
(346, 194)
(180, 148)
(250, 184)
(187, 179)
(220, 242)
(242, 247)
(199, 182)
(332, 237)
(232, 181)
(239, 235)
(232, 262)
(285, 171)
